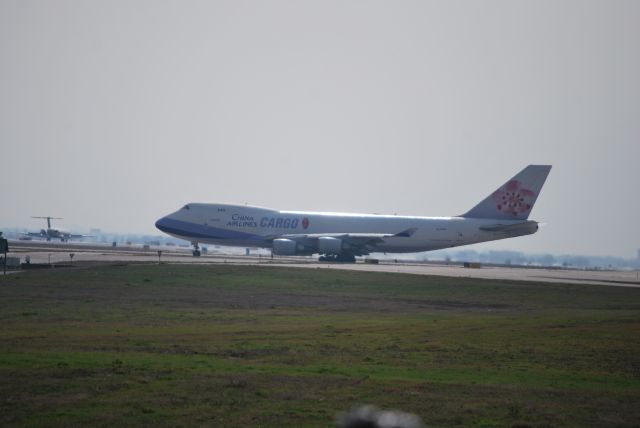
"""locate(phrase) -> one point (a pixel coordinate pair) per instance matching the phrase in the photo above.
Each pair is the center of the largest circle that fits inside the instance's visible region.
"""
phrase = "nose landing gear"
(196, 249)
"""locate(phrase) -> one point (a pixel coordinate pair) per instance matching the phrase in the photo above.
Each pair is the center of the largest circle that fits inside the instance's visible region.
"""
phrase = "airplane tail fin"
(515, 198)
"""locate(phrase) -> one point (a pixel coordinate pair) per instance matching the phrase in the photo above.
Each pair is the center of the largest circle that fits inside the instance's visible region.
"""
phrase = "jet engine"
(329, 245)
(284, 247)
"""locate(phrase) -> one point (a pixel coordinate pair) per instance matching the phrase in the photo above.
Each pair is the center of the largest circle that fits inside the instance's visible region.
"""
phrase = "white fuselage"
(57, 233)
(247, 226)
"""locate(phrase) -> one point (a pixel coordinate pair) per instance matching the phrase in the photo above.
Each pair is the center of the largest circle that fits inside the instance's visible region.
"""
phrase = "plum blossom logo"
(513, 199)
(305, 223)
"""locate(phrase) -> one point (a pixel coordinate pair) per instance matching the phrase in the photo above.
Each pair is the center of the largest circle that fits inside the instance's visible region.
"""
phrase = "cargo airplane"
(341, 237)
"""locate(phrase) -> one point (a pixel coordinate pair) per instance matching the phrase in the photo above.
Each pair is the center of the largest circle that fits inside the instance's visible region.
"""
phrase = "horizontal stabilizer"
(525, 226)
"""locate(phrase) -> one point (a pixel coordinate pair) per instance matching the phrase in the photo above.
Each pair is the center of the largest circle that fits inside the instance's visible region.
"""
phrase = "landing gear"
(347, 258)
(196, 249)
(341, 258)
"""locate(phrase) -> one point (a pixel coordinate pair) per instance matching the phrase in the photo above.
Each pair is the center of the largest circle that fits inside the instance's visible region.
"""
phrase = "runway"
(86, 254)
(567, 276)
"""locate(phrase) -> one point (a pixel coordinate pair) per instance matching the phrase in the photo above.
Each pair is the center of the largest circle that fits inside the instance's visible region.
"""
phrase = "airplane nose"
(162, 224)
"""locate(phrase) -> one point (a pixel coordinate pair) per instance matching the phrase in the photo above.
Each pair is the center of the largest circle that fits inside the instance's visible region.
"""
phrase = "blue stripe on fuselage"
(193, 230)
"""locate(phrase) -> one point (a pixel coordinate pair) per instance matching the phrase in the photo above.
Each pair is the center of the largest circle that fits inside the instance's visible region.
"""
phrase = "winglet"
(406, 233)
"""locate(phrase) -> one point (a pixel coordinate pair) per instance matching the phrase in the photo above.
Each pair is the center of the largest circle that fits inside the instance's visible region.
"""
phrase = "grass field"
(241, 346)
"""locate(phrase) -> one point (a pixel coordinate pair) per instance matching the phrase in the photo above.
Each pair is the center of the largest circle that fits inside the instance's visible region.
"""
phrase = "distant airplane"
(341, 237)
(54, 233)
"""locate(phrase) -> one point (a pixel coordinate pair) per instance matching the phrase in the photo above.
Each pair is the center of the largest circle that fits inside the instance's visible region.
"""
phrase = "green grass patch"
(172, 345)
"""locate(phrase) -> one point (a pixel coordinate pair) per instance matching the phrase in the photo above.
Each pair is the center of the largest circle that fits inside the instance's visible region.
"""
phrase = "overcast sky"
(114, 113)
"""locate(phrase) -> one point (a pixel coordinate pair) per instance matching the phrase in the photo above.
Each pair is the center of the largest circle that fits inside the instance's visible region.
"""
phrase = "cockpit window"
(186, 207)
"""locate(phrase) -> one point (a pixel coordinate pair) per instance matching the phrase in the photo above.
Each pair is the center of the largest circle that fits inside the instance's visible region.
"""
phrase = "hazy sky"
(114, 113)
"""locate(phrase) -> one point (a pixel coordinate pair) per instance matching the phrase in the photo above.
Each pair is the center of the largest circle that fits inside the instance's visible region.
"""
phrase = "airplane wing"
(351, 236)
(357, 241)
(44, 235)
(33, 234)
(353, 240)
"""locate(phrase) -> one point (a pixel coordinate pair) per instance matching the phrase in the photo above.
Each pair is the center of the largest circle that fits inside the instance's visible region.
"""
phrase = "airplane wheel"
(346, 258)
(196, 249)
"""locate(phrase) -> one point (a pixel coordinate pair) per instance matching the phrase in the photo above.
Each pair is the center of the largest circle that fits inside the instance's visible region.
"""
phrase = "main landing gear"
(196, 249)
(342, 258)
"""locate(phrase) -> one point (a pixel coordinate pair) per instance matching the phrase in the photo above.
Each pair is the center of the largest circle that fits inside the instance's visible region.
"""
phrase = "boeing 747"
(341, 237)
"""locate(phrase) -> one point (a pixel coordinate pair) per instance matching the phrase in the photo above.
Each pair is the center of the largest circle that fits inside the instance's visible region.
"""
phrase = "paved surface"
(617, 278)
(85, 254)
